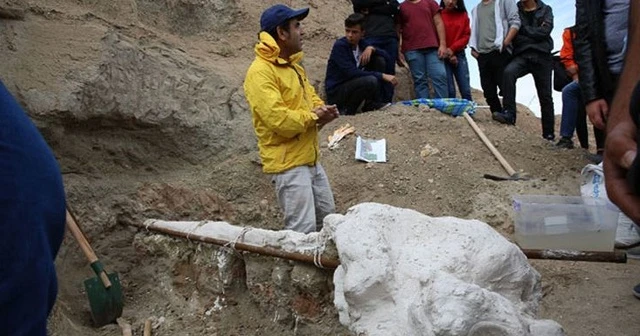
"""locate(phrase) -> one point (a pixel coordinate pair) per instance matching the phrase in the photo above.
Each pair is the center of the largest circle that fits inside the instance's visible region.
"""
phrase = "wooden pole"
(489, 145)
(268, 251)
(612, 257)
(147, 327)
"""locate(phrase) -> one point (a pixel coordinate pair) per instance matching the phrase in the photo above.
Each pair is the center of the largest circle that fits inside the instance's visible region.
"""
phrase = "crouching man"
(355, 71)
(286, 114)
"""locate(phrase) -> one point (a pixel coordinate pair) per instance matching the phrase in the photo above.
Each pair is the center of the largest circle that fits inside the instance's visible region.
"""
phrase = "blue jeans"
(390, 45)
(425, 65)
(461, 74)
(571, 100)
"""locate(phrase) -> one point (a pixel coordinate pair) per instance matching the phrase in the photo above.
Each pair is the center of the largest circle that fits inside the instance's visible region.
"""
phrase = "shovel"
(104, 290)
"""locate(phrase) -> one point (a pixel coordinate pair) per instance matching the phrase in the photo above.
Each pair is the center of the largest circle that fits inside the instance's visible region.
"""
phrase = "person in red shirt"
(457, 30)
(423, 46)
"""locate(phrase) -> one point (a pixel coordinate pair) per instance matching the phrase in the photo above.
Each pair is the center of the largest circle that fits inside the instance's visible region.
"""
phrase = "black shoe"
(636, 291)
(594, 158)
(549, 137)
(505, 117)
(564, 143)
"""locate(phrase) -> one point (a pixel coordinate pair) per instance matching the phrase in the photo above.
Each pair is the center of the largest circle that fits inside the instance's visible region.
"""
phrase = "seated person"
(573, 113)
(355, 71)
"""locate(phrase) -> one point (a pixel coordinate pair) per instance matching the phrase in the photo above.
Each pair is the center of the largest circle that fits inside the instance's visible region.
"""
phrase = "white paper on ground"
(370, 150)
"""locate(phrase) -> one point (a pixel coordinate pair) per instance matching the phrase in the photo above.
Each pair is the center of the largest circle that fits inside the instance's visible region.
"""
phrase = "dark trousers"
(349, 95)
(599, 134)
(539, 65)
(491, 66)
(390, 45)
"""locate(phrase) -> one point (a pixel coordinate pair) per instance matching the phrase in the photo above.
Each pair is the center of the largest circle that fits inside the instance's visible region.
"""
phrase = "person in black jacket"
(356, 71)
(601, 28)
(531, 55)
(380, 32)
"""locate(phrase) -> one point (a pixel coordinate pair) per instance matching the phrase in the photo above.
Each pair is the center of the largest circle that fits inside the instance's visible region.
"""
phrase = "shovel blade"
(105, 303)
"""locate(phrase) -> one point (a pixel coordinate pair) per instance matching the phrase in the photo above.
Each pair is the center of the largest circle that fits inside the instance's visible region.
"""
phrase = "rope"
(202, 223)
(317, 253)
(149, 223)
(232, 244)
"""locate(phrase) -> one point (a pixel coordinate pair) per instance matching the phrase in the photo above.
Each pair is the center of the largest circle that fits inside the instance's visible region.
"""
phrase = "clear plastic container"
(564, 223)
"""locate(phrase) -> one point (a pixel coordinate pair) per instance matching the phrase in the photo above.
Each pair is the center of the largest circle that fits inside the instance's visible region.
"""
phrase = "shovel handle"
(85, 247)
(489, 145)
(147, 327)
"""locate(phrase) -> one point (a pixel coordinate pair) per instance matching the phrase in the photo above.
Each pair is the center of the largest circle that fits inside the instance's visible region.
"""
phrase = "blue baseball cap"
(276, 15)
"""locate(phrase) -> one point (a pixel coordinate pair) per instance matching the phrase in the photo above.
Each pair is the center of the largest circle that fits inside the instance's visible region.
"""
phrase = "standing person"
(531, 55)
(423, 46)
(457, 30)
(573, 113)
(494, 25)
(356, 71)
(623, 125)
(601, 27)
(287, 113)
(380, 33)
(32, 217)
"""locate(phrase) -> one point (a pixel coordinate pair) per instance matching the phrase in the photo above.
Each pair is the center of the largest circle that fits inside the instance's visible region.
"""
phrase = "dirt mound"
(142, 103)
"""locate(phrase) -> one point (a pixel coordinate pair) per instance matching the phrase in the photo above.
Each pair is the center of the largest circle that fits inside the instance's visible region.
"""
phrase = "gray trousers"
(305, 197)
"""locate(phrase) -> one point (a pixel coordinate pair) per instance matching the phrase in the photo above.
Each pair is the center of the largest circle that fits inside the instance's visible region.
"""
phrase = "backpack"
(560, 77)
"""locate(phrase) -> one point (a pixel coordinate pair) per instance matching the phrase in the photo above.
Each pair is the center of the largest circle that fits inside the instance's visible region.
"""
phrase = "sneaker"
(549, 137)
(594, 158)
(633, 253)
(636, 291)
(504, 117)
(564, 143)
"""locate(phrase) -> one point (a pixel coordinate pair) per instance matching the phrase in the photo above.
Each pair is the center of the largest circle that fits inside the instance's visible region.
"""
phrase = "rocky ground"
(142, 103)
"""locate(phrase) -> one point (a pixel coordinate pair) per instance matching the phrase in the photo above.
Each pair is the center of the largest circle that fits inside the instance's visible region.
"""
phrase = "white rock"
(405, 273)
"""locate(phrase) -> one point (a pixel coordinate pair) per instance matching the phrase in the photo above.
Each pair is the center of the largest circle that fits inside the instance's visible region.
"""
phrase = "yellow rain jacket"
(281, 100)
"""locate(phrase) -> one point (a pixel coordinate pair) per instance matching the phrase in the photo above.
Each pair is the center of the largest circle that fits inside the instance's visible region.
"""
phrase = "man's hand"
(598, 111)
(505, 44)
(390, 78)
(620, 151)
(366, 55)
(326, 114)
(453, 60)
(572, 71)
(474, 53)
(449, 53)
(442, 51)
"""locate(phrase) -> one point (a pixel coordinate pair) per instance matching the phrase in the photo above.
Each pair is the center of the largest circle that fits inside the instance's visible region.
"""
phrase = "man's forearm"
(437, 19)
(510, 36)
(631, 72)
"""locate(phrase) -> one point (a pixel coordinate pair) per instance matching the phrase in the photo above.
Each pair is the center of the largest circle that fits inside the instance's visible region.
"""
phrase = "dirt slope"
(142, 103)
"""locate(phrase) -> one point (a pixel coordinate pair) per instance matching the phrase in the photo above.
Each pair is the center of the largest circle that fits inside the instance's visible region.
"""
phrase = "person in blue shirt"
(356, 71)
(32, 218)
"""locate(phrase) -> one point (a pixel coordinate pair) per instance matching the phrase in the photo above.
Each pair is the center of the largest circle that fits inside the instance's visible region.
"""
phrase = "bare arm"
(442, 49)
(510, 36)
(621, 147)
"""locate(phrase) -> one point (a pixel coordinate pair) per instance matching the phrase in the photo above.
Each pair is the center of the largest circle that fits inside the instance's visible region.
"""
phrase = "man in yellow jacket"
(287, 114)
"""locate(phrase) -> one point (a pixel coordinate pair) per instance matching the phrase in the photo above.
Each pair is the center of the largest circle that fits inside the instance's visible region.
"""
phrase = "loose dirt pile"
(142, 103)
